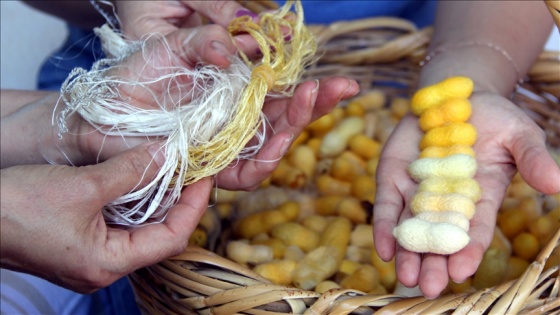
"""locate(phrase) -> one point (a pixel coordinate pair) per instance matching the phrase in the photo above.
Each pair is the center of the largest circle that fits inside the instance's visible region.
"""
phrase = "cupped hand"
(286, 117)
(52, 225)
(507, 138)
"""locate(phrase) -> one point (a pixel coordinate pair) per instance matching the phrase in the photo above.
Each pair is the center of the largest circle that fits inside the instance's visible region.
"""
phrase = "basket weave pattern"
(382, 53)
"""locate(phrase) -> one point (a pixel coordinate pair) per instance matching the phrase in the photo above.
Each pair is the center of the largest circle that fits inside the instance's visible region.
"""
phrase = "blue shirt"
(82, 48)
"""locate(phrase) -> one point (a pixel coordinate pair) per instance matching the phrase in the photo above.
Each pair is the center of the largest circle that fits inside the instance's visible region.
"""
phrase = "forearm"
(80, 13)
(28, 135)
(465, 30)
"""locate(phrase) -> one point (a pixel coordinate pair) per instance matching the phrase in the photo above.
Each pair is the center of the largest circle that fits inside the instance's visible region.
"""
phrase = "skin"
(87, 254)
(508, 140)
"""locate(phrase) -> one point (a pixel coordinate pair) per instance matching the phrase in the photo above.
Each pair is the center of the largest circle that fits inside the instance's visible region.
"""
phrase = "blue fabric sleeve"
(420, 12)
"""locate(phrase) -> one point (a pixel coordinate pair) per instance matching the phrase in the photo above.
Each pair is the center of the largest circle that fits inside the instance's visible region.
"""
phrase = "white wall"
(29, 36)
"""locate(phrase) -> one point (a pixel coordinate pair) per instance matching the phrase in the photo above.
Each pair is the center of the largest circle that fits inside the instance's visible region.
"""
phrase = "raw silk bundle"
(209, 131)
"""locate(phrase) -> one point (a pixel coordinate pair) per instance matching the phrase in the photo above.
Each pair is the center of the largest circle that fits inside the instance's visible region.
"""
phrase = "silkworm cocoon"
(433, 202)
(315, 222)
(362, 236)
(329, 185)
(327, 205)
(364, 279)
(278, 247)
(296, 234)
(358, 254)
(337, 236)
(294, 253)
(345, 169)
(354, 109)
(450, 217)
(433, 95)
(453, 166)
(317, 266)
(422, 236)
(450, 111)
(244, 253)
(303, 157)
(279, 271)
(372, 100)
(336, 140)
(364, 146)
(286, 175)
(325, 286)
(322, 125)
(364, 188)
(348, 267)
(448, 135)
(352, 209)
(439, 152)
(463, 186)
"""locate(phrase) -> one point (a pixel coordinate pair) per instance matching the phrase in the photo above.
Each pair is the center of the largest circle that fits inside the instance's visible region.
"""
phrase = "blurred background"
(29, 36)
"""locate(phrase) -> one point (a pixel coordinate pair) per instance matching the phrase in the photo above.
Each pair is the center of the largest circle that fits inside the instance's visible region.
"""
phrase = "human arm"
(507, 137)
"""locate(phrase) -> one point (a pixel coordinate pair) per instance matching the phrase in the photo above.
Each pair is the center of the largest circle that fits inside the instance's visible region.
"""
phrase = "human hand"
(506, 137)
(139, 18)
(52, 225)
(286, 116)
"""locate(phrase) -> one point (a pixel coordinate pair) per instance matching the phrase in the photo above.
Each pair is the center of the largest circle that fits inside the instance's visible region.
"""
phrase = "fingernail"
(352, 85)
(287, 37)
(315, 91)
(221, 48)
(156, 150)
(245, 12)
(258, 52)
(286, 145)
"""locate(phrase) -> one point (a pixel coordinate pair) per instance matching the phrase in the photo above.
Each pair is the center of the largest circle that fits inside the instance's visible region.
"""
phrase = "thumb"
(128, 171)
(210, 44)
(536, 166)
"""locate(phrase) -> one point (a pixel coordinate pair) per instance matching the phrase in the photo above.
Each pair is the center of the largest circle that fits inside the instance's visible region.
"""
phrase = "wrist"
(489, 66)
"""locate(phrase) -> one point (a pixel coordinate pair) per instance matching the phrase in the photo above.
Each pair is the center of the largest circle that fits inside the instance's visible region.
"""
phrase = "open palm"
(507, 138)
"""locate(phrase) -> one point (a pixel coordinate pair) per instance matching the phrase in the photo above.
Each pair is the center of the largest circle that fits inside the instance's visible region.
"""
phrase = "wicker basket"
(385, 54)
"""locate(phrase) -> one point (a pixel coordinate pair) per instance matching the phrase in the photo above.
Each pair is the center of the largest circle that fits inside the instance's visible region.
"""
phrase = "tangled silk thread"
(447, 193)
(209, 125)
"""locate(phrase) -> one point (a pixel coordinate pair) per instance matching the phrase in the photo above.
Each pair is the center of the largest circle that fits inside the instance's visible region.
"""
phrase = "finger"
(220, 12)
(463, 264)
(394, 185)
(407, 265)
(332, 91)
(433, 275)
(130, 170)
(251, 173)
(535, 164)
(153, 243)
(209, 44)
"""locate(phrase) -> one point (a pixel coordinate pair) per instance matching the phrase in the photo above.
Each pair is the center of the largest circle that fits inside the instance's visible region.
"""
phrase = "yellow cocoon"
(450, 217)
(448, 135)
(422, 236)
(453, 166)
(439, 152)
(463, 186)
(451, 111)
(434, 202)
(433, 95)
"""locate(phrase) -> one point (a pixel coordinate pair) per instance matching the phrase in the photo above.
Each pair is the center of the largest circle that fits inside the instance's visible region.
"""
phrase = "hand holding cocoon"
(446, 195)
(423, 236)
(453, 166)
